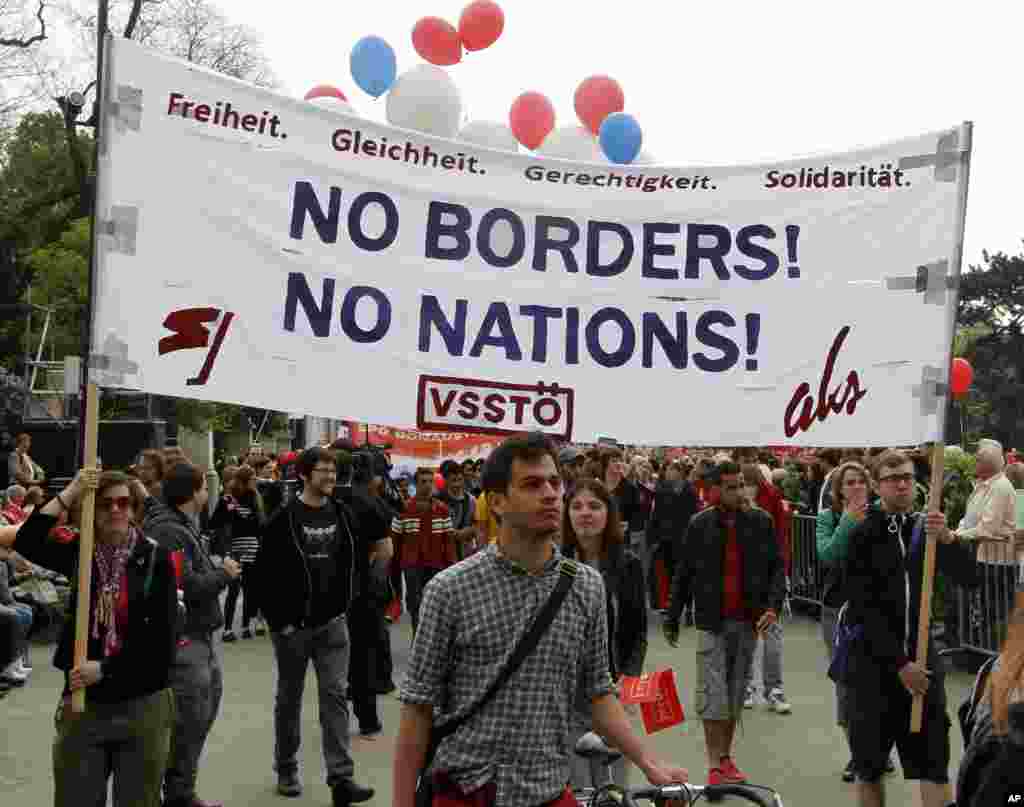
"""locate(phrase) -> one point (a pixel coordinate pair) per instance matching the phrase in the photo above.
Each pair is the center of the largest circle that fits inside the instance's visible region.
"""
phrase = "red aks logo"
(190, 331)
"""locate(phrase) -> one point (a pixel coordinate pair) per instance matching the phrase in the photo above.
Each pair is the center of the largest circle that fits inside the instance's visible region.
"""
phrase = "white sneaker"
(12, 674)
(26, 671)
(751, 698)
(776, 700)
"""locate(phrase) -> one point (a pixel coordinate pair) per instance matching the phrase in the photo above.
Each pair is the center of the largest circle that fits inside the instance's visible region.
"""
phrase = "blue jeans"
(19, 617)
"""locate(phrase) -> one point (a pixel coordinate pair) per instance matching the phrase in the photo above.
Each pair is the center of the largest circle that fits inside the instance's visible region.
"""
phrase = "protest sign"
(665, 710)
(411, 448)
(257, 249)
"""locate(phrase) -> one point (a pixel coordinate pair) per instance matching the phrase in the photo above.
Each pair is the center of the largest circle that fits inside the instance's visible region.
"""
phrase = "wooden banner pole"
(927, 584)
(85, 545)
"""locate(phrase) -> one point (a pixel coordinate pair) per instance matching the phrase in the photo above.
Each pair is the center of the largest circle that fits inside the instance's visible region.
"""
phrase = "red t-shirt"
(425, 539)
(770, 500)
(732, 572)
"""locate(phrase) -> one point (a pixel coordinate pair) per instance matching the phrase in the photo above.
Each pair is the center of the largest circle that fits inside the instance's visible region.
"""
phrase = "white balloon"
(333, 103)
(425, 99)
(572, 143)
(490, 135)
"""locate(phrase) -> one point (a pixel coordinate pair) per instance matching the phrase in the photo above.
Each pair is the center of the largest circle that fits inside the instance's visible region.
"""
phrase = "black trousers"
(245, 583)
(370, 668)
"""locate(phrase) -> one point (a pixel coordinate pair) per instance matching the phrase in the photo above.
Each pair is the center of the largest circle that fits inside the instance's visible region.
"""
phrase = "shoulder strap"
(147, 584)
(568, 569)
(980, 683)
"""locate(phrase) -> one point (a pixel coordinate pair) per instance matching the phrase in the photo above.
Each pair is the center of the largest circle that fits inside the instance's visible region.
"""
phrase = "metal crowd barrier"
(983, 613)
(975, 620)
(807, 575)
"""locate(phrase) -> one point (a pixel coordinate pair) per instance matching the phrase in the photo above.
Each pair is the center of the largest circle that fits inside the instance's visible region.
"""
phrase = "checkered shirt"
(471, 617)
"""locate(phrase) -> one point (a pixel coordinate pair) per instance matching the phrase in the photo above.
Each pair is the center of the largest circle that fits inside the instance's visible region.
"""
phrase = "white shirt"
(991, 517)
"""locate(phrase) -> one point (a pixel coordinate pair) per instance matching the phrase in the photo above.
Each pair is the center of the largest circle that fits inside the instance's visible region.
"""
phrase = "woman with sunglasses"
(129, 708)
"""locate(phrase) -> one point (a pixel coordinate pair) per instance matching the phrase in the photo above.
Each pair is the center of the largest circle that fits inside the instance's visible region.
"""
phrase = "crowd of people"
(327, 551)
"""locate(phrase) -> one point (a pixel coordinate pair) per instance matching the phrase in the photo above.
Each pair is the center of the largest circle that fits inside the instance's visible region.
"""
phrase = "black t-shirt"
(319, 536)
(372, 524)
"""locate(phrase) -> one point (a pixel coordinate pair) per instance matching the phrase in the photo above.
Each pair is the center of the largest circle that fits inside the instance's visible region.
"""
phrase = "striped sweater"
(424, 539)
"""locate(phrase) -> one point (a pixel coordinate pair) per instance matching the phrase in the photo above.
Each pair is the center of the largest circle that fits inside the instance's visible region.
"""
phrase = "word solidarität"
(222, 113)
(827, 177)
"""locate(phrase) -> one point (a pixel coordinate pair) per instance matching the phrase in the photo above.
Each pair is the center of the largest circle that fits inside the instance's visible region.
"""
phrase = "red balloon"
(438, 482)
(961, 376)
(596, 98)
(481, 24)
(437, 41)
(531, 118)
(324, 91)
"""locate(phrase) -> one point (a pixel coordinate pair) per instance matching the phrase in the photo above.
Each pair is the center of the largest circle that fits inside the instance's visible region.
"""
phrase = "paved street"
(800, 755)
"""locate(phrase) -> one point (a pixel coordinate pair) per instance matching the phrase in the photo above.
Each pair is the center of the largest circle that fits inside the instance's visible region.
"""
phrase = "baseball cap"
(569, 454)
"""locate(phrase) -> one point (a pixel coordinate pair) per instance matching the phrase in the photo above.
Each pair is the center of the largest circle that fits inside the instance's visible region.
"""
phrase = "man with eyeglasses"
(878, 638)
(305, 579)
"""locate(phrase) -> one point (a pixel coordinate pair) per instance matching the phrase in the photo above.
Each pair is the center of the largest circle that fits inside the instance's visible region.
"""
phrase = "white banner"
(259, 250)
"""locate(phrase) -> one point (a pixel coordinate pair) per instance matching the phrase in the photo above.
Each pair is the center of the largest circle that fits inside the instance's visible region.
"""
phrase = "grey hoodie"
(201, 580)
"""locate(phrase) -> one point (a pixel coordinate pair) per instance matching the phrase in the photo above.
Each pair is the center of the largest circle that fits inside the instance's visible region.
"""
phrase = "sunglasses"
(107, 503)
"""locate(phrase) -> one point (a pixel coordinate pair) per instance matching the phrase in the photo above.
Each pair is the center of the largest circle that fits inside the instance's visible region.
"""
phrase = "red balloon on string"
(324, 91)
(596, 98)
(437, 41)
(960, 378)
(531, 118)
(481, 24)
(438, 482)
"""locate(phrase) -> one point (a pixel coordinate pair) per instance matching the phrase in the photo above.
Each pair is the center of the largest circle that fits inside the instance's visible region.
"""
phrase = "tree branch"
(133, 19)
(19, 42)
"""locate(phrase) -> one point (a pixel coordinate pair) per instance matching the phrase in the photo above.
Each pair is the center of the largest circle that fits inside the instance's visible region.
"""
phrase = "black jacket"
(281, 574)
(672, 513)
(627, 498)
(143, 664)
(698, 572)
(623, 575)
(371, 523)
(876, 588)
(202, 582)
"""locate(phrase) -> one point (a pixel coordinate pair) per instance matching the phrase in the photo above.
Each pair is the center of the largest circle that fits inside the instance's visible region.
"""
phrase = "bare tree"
(21, 38)
(198, 32)
(23, 31)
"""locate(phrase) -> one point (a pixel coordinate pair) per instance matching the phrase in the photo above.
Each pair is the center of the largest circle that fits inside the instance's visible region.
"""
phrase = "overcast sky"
(719, 82)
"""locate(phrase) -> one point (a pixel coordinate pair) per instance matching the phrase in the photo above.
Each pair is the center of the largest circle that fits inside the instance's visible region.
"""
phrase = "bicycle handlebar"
(687, 793)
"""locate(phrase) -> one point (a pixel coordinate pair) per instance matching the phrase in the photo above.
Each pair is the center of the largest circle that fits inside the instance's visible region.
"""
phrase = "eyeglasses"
(110, 502)
(897, 478)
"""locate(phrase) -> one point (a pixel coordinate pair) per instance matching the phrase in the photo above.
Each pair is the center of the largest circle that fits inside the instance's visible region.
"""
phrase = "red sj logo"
(189, 327)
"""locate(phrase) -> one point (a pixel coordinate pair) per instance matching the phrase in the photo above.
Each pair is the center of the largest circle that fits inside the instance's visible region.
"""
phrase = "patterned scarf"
(111, 560)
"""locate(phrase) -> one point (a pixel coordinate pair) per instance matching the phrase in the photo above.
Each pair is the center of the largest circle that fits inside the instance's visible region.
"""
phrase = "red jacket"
(770, 499)
(424, 540)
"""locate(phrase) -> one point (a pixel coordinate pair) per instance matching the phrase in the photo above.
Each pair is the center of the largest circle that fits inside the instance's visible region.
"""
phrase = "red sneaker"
(716, 777)
(732, 774)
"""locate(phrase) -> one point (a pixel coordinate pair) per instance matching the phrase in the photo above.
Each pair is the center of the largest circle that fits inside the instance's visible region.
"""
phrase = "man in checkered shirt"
(514, 751)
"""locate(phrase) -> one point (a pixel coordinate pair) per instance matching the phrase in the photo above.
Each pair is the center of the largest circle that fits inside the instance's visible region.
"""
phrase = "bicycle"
(600, 757)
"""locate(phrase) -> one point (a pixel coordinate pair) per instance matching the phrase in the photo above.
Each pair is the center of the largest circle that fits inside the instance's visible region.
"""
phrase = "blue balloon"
(374, 66)
(621, 137)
